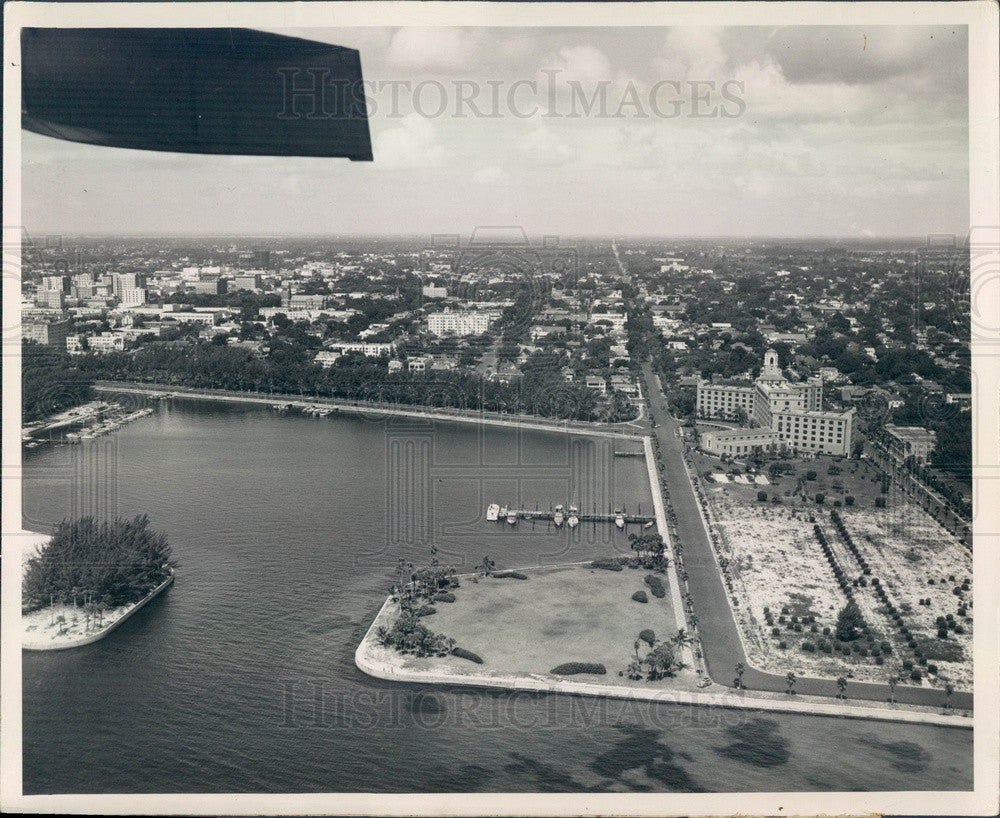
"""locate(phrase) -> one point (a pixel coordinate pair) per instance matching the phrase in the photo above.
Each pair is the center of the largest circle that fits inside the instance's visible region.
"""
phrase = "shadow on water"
(641, 749)
(758, 742)
(905, 756)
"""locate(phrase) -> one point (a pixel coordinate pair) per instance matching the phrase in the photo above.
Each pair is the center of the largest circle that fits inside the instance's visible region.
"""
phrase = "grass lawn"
(560, 614)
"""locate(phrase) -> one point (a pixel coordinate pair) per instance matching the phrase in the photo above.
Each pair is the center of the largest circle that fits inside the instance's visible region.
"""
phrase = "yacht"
(619, 518)
(512, 517)
(558, 517)
(573, 521)
(493, 513)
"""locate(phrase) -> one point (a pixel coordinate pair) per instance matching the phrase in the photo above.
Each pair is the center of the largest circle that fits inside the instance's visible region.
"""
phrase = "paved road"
(719, 632)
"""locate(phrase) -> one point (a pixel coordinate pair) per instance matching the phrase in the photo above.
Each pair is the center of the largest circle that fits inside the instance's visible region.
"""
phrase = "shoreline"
(66, 644)
(356, 407)
(369, 664)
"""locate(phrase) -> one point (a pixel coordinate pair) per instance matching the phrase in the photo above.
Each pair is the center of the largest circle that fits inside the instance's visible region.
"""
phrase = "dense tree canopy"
(50, 381)
(114, 563)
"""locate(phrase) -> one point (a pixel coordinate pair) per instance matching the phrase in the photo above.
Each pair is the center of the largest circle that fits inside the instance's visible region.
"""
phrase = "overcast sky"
(837, 131)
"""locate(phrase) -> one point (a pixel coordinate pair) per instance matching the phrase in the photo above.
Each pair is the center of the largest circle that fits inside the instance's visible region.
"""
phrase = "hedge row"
(462, 653)
(571, 668)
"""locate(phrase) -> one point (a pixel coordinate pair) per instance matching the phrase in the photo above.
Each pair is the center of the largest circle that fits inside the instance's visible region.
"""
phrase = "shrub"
(655, 586)
(809, 647)
(814, 629)
(775, 631)
(820, 498)
(879, 660)
(810, 475)
(762, 496)
(942, 633)
(880, 502)
(907, 664)
(783, 644)
(916, 675)
(849, 622)
(640, 596)
(572, 668)
(444, 596)
(826, 631)
(511, 575)
(647, 636)
(607, 564)
(885, 647)
(959, 629)
(426, 610)
(932, 668)
(462, 653)
(849, 500)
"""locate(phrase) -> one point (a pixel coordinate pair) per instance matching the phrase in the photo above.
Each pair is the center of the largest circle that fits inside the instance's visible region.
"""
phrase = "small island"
(89, 578)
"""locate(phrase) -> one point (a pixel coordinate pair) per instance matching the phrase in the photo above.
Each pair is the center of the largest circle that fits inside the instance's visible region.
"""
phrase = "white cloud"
(491, 175)
(411, 144)
(433, 48)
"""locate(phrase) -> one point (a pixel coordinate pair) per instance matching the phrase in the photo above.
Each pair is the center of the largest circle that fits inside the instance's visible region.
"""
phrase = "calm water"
(287, 529)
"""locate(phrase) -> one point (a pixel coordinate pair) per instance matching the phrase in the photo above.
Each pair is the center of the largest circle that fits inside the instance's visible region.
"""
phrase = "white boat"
(619, 518)
(493, 513)
(512, 518)
(558, 517)
(573, 521)
(649, 524)
(503, 511)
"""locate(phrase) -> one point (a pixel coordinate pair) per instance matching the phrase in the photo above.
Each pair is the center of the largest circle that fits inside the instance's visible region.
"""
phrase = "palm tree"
(892, 689)
(681, 638)
(738, 681)
(842, 687)
(487, 566)
(948, 690)
(790, 681)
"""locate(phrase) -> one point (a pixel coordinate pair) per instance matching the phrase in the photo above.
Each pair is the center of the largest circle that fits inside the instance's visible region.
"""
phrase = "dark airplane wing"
(209, 90)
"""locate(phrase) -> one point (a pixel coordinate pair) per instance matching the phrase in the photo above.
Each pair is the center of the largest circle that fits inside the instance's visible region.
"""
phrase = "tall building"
(462, 322)
(132, 296)
(50, 333)
(784, 415)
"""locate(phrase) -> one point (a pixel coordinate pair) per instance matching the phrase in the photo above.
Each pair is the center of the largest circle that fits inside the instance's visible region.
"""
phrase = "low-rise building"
(907, 441)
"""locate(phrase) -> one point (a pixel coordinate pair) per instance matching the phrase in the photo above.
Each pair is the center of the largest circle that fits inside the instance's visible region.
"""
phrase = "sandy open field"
(785, 592)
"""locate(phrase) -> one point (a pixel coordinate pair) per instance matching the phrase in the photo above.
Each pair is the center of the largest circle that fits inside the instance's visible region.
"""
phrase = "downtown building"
(461, 322)
(784, 415)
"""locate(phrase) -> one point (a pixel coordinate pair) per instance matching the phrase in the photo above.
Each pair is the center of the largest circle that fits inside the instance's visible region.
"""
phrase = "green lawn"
(562, 614)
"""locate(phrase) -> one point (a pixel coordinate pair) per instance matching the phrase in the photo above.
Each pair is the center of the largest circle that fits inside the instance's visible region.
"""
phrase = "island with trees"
(89, 578)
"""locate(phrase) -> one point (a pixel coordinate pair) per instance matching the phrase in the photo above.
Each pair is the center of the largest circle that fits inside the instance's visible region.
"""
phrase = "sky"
(730, 131)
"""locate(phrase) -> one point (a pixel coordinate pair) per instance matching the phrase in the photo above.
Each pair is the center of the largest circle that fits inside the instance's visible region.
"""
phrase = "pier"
(582, 516)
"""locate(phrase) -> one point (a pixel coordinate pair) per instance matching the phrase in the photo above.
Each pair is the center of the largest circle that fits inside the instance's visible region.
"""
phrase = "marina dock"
(584, 517)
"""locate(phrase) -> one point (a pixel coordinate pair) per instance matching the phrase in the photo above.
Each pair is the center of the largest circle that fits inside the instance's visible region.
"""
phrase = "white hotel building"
(785, 415)
(463, 322)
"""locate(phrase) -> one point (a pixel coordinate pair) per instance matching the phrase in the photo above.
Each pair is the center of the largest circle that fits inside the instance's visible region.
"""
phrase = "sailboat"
(573, 521)
(558, 517)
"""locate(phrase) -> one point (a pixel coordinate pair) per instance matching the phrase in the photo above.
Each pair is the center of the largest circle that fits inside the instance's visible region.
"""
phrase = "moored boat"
(512, 517)
(493, 513)
(558, 516)
(573, 521)
(619, 518)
